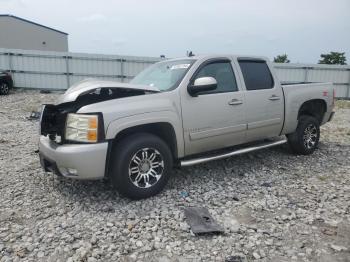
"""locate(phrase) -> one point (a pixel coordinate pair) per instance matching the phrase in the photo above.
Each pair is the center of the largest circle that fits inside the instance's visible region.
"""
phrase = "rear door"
(264, 99)
(214, 119)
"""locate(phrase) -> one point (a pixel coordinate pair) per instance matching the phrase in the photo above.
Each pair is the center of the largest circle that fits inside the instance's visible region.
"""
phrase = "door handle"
(274, 97)
(235, 102)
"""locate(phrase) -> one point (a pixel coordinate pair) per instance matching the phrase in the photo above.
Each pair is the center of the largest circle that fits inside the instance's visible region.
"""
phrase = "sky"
(303, 29)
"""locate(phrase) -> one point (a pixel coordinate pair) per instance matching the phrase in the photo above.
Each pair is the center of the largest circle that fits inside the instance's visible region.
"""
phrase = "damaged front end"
(54, 117)
(52, 121)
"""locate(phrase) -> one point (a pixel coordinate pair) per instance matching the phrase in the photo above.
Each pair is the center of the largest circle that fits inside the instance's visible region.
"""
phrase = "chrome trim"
(310, 136)
(146, 167)
(235, 102)
(195, 161)
(274, 97)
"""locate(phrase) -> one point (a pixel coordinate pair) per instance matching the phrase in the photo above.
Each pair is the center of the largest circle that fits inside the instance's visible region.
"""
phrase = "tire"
(140, 166)
(305, 139)
(4, 88)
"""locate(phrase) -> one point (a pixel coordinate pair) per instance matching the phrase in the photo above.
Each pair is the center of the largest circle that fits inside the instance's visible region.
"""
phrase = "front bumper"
(79, 161)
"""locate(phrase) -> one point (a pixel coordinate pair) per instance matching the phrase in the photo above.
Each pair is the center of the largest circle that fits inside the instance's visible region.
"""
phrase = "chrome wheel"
(310, 136)
(4, 88)
(146, 167)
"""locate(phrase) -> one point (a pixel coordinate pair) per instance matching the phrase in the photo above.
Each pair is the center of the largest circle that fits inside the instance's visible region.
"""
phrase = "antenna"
(190, 53)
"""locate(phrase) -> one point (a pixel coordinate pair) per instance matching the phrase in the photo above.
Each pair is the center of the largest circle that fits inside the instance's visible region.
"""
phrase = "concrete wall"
(19, 34)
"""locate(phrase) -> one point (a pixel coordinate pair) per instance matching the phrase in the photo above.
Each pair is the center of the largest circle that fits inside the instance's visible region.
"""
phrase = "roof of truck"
(209, 56)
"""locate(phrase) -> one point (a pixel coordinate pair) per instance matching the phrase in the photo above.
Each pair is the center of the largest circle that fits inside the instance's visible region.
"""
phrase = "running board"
(199, 160)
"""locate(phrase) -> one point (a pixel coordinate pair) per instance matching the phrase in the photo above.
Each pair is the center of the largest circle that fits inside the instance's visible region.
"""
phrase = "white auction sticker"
(180, 66)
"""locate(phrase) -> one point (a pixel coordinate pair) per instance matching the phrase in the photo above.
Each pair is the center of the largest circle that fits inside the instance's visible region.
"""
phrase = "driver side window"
(223, 73)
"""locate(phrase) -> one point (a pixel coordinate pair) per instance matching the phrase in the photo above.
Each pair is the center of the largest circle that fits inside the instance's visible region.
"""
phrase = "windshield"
(164, 75)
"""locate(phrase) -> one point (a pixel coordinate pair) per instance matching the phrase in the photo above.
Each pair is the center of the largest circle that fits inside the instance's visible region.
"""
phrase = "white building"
(19, 33)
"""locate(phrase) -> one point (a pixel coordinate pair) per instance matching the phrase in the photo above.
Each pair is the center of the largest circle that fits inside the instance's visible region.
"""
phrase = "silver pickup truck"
(178, 112)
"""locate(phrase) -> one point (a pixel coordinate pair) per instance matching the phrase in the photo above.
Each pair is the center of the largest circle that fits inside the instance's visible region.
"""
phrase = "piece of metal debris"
(45, 91)
(235, 259)
(34, 115)
(267, 184)
(338, 248)
(235, 198)
(184, 194)
(200, 221)
(329, 231)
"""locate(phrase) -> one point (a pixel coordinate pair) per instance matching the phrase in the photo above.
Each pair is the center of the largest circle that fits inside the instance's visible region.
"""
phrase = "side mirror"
(202, 84)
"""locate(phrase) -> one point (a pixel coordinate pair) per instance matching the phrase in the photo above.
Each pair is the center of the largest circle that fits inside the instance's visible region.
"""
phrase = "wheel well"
(315, 108)
(163, 130)
(6, 81)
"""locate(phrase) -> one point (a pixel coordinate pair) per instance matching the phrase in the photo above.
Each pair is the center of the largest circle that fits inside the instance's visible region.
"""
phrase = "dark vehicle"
(6, 82)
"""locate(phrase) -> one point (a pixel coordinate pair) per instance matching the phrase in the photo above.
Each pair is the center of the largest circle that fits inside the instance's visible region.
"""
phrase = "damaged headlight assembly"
(83, 128)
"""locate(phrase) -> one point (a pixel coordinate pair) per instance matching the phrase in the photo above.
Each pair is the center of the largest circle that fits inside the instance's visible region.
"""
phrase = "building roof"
(25, 20)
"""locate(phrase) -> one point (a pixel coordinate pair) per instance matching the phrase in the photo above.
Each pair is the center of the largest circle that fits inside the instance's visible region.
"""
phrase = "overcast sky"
(301, 28)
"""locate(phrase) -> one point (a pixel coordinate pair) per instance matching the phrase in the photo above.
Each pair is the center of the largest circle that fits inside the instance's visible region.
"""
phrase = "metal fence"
(59, 70)
(338, 75)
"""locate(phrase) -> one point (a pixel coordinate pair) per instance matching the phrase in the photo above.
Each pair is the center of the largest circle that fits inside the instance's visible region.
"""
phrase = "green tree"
(333, 58)
(281, 59)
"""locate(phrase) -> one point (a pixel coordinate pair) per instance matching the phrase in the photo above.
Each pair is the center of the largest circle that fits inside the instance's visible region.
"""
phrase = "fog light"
(68, 171)
(72, 171)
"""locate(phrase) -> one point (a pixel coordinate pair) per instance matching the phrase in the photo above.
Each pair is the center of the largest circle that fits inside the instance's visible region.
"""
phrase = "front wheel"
(4, 88)
(305, 139)
(141, 164)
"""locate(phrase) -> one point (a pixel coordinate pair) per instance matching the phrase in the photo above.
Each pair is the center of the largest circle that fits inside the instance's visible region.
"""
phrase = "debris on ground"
(184, 194)
(235, 259)
(200, 221)
(266, 184)
(338, 248)
(34, 115)
(235, 198)
(45, 91)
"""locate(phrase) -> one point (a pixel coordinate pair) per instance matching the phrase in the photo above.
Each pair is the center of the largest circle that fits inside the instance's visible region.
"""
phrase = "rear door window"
(256, 74)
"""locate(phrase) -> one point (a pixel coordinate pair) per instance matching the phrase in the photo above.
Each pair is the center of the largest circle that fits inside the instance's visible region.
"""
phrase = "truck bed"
(295, 94)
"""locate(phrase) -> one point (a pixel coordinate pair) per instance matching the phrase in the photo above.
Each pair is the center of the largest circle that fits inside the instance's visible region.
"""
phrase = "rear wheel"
(305, 139)
(4, 88)
(141, 165)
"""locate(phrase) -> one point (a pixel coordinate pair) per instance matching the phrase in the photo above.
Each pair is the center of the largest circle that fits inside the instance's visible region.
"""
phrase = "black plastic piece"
(201, 221)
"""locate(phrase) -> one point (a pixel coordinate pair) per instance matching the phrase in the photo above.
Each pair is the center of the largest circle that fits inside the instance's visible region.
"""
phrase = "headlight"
(82, 128)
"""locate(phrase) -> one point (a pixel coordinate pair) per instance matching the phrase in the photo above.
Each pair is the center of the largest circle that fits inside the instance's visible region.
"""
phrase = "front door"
(214, 119)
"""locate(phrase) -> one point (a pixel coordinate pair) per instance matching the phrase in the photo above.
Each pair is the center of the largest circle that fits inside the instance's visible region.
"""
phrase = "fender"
(120, 124)
(297, 95)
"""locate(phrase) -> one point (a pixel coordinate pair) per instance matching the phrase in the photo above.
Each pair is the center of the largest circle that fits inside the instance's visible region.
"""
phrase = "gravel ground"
(274, 206)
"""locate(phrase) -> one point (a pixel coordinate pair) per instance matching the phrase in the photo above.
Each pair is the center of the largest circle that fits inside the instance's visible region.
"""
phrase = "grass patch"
(344, 104)
(33, 106)
(322, 178)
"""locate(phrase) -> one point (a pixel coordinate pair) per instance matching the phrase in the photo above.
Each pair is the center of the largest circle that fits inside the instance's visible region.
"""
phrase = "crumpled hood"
(89, 85)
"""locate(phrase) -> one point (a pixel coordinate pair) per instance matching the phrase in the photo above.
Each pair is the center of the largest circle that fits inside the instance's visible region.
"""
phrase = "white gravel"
(274, 206)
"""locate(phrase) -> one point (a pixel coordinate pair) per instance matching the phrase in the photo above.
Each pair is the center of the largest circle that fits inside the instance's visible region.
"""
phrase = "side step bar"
(199, 160)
